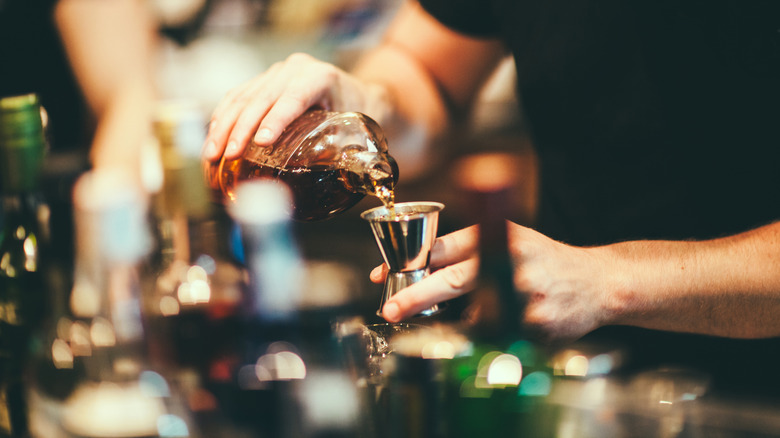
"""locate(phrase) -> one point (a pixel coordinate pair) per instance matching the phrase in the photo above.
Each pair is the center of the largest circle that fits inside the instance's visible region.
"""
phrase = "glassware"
(416, 404)
(24, 231)
(284, 366)
(405, 237)
(499, 385)
(400, 369)
(194, 279)
(330, 161)
(117, 391)
(193, 282)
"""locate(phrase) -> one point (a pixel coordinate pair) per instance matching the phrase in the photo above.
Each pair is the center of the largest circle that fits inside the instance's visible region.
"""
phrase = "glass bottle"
(194, 283)
(498, 386)
(23, 234)
(287, 368)
(118, 392)
(193, 274)
(330, 161)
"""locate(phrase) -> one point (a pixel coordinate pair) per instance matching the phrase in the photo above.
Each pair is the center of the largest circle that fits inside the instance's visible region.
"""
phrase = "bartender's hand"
(561, 281)
(261, 108)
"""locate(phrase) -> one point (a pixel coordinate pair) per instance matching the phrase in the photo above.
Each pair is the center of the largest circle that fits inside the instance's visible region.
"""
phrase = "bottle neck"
(24, 224)
(22, 207)
(370, 173)
(22, 143)
(105, 299)
(501, 307)
(112, 241)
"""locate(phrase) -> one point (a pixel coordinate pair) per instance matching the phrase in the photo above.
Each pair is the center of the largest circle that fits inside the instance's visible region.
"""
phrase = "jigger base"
(398, 280)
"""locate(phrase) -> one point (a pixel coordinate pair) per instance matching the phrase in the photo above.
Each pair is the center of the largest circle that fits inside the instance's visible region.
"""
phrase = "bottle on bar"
(23, 236)
(117, 392)
(194, 283)
(330, 161)
(289, 379)
(497, 388)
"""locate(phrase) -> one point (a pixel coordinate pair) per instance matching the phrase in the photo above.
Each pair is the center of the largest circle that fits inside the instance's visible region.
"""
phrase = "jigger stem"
(398, 280)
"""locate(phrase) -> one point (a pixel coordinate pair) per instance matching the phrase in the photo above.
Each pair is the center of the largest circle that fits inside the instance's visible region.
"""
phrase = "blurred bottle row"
(175, 316)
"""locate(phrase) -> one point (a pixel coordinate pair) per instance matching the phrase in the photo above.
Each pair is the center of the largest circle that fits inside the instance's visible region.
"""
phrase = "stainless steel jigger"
(405, 241)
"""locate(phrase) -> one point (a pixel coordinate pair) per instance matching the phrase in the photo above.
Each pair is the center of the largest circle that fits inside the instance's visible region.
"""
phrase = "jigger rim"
(379, 214)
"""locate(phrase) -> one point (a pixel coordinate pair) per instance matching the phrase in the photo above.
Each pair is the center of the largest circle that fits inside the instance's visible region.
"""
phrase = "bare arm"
(109, 45)
(436, 72)
(725, 287)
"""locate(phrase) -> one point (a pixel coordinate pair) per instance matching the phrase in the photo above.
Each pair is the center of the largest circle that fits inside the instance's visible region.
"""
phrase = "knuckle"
(330, 72)
(455, 276)
(295, 99)
(299, 58)
(524, 283)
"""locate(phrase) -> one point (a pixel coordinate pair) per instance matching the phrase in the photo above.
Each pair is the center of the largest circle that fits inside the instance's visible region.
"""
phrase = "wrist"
(619, 291)
(379, 103)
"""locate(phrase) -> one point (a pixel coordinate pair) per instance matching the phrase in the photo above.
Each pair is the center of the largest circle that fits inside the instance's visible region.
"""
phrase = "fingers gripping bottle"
(330, 161)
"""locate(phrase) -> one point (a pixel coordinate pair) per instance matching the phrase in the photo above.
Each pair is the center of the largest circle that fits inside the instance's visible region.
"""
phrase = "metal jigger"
(405, 241)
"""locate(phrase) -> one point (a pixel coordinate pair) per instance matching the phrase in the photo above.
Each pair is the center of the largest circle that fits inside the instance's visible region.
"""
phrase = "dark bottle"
(194, 284)
(22, 242)
(115, 391)
(288, 379)
(330, 161)
(498, 388)
(194, 281)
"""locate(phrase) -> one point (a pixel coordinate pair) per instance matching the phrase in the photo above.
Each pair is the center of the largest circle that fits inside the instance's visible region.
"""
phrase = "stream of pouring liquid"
(387, 196)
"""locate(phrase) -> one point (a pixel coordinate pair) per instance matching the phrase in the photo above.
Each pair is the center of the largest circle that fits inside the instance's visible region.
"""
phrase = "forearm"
(110, 46)
(405, 94)
(429, 75)
(727, 287)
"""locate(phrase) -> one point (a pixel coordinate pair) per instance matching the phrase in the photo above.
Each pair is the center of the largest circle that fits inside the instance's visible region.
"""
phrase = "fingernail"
(391, 312)
(263, 136)
(210, 150)
(232, 148)
(376, 272)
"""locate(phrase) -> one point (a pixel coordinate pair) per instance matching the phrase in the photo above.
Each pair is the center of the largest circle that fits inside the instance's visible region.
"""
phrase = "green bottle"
(24, 230)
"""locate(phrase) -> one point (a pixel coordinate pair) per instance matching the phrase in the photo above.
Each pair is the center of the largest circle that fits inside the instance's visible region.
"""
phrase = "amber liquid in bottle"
(319, 191)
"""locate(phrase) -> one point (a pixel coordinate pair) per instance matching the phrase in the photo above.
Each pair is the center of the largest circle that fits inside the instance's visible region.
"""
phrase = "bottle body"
(23, 232)
(192, 283)
(329, 160)
(96, 351)
(500, 385)
(284, 371)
